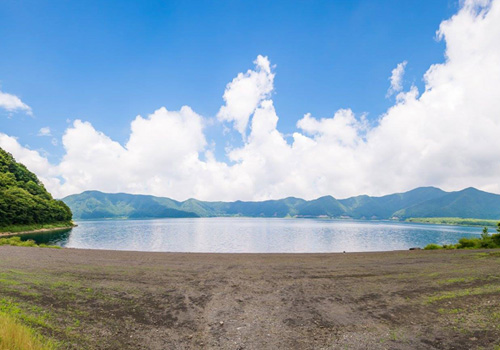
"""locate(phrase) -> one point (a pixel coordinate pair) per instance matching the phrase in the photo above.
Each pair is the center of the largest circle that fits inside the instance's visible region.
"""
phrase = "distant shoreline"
(467, 222)
(471, 222)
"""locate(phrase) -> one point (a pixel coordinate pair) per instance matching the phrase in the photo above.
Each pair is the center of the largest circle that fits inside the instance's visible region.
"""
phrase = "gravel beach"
(97, 299)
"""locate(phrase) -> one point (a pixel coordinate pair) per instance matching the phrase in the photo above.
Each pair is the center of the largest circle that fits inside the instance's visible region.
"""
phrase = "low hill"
(420, 202)
(98, 205)
(24, 201)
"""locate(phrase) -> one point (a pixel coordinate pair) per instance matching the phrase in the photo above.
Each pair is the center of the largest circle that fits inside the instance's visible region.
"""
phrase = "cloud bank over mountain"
(445, 136)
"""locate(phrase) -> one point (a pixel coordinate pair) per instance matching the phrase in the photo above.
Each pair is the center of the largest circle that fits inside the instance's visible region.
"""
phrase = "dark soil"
(90, 299)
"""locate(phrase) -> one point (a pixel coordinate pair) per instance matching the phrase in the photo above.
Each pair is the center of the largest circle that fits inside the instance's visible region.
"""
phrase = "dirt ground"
(91, 299)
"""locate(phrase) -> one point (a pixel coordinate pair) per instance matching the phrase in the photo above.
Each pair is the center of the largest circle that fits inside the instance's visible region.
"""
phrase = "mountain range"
(420, 202)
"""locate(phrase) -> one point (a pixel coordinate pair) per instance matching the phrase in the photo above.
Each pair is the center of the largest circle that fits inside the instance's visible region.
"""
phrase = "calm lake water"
(253, 235)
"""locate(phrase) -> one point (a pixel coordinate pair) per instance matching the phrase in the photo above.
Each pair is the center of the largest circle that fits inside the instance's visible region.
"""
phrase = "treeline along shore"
(25, 204)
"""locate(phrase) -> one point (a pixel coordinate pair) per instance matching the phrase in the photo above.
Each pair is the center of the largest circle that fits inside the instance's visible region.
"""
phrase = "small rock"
(221, 323)
(473, 338)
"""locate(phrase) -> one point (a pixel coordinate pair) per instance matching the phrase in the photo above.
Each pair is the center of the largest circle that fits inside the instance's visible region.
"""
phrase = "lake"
(253, 235)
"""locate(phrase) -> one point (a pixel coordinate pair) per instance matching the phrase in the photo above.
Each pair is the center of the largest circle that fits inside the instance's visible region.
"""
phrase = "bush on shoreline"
(486, 241)
(16, 241)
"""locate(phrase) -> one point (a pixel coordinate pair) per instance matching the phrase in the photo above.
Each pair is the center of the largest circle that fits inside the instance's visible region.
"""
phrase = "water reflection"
(59, 237)
(253, 235)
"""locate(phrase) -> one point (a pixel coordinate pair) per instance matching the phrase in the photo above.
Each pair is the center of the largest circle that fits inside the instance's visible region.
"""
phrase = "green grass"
(37, 317)
(455, 221)
(16, 336)
(16, 241)
(33, 227)
(487, 289)
(30, 310)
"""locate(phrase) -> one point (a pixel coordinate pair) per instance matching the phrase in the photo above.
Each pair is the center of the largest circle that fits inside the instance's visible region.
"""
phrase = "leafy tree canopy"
(23, 198)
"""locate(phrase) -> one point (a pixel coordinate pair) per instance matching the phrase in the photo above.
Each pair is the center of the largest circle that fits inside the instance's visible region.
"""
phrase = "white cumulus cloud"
(12, 103)
(245, 92)
(445, 136)
(45, 131)
(397, 79)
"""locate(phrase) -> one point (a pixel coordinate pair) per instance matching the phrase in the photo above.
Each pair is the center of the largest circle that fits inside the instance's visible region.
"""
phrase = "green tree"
(23, 198)
(485, 235)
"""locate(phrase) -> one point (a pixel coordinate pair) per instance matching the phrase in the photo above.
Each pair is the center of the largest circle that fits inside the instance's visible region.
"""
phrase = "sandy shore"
(131, 300)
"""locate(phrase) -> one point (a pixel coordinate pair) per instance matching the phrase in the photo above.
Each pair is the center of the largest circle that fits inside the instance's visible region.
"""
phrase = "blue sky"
(252, 100)
(106, 62)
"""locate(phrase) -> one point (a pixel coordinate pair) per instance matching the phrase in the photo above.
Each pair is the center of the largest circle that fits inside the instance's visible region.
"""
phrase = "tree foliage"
(23, 198)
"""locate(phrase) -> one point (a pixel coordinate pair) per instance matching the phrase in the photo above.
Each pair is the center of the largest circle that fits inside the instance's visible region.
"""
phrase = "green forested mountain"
(420, 202)
(98, 205)
(323, 206)
(468, 203)
(365, 207)
(23, 198)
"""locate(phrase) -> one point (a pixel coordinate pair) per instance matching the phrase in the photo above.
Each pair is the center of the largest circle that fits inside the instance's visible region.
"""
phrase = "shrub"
(496, 239)
(16, 241)
(486, 241)
(449, 246)
(468, 243)
(432, 246)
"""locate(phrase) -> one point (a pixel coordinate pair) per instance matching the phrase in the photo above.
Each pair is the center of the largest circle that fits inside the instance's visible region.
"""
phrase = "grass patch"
(16, 336)
(457, 280)
(34, 227)
(450, 311)
(16, 241)
(468, 279)
(488, 289)
(38, 318)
